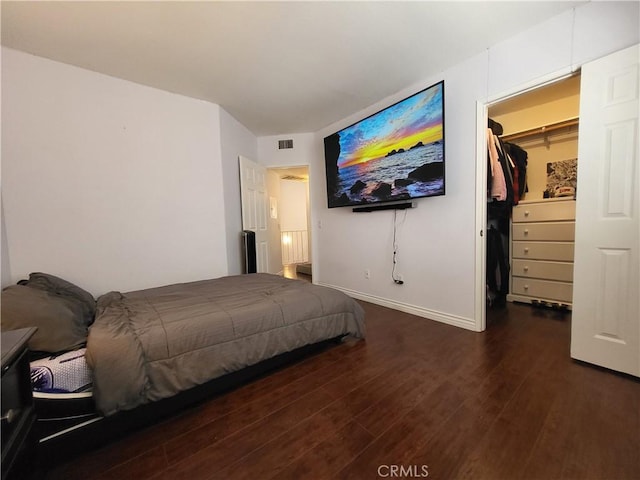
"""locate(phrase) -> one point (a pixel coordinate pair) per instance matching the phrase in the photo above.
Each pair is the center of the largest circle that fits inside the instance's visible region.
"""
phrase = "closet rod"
(539, 130)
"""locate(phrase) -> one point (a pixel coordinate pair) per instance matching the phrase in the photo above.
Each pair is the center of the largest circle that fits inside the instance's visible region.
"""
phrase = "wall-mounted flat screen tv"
(396, 154)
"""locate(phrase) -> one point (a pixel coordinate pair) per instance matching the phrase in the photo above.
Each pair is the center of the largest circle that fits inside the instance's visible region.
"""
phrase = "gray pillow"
(58, 286)
(60, 320)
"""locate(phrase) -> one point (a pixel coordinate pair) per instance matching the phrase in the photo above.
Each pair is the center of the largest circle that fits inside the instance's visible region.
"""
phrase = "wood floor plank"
(358, 395)
(402, 440)
(294, 443)
(208, 433)
(556, 440)
(468, 426)
(269, 459)
(90, 465)
(142, 467)
(329, 456)
(601, 426)
(228, 450)
(505, 450)
(245, 414)
(397, 402)
(350, 379)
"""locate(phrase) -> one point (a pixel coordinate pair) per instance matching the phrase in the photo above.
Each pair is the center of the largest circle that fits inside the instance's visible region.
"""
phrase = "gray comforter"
(151, 344)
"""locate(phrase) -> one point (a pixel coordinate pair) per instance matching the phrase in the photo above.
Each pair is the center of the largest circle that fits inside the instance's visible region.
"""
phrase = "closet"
(530, 231)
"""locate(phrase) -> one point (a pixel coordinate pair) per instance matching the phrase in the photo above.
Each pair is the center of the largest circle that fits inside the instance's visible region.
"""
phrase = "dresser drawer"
(560, 271)
(542, 289)
(552, 231)
(544, 212)
(556, 251)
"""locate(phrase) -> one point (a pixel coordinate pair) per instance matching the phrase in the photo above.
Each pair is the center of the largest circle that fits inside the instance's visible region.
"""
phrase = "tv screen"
(395, 154)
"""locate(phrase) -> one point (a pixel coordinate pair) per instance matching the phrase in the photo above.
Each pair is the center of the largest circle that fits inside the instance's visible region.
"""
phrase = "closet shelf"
(541, 130)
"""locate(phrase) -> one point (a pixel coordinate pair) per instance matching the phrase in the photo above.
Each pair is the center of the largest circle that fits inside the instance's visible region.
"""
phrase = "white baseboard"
(455, 320)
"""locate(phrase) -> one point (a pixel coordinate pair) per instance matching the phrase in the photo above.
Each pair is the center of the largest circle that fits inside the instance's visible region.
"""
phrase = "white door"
(606, 304)
(253, 190)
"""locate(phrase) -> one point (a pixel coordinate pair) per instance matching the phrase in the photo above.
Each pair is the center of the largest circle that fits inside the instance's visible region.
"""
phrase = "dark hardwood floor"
(417, 397)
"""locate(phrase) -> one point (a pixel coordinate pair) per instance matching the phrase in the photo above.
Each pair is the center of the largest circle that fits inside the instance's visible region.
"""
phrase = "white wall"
(235, 140)
(107, 183)
(436, 254)
(293, 212)
(294, 220)
(301, 153)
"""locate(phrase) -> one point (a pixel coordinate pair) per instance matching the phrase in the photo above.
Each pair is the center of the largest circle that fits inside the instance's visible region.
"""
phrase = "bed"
(136, 355)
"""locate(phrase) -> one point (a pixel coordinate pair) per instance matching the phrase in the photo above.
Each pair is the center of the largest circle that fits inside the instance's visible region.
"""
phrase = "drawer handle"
(526, 268)
(526, 287)
(526, 213)
(10, 416)
(526, 250)
(526, 231)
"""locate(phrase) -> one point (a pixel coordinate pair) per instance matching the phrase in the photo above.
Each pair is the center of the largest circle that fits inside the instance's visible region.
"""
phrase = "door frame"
(482, 109)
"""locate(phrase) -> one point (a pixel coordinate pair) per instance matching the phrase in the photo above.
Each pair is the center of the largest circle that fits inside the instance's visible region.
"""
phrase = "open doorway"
(289, 214)
(530, 228)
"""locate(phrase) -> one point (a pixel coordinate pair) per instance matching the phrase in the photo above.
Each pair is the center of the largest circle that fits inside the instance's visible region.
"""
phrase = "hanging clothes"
(520, 159)
(506, 164)
(506, 184)
(497, 268)
(495, 127)
(507, 167)
(498, 190)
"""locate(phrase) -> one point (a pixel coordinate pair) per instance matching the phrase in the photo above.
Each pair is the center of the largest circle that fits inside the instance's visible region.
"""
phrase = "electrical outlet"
(367, 274)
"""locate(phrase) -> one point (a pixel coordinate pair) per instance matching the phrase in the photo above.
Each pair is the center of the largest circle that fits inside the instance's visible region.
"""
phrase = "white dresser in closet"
(542, 240)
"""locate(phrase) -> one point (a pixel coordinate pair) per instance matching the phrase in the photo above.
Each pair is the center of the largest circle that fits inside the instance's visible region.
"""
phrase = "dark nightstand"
(18, 414)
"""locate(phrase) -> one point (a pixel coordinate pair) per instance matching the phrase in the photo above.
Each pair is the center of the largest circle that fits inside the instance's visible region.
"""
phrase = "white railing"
(295, 247)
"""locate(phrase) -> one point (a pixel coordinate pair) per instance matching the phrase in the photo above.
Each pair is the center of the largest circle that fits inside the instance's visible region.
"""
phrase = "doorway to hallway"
(289, 213)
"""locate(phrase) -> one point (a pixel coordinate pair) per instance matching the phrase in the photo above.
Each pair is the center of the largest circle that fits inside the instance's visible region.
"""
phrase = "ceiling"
(277, 67)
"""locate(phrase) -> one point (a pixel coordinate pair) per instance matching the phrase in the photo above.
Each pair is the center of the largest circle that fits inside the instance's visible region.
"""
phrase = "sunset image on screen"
(395, 154)
(416, 119)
